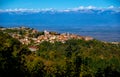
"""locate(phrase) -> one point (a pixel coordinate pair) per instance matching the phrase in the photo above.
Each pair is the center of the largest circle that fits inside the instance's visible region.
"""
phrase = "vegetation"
(12, 54)
(74, 58)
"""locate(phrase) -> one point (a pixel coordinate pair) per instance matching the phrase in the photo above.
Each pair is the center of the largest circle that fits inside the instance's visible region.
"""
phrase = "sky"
(56, 4)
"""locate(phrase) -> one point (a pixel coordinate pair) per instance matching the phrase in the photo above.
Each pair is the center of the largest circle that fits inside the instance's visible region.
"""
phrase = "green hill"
(12, 54)
(74, 58)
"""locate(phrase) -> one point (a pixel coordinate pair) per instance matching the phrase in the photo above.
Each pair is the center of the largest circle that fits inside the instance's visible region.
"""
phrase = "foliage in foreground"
(75, 58)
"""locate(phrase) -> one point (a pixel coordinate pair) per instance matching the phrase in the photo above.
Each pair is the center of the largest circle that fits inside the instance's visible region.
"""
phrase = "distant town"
(32, 37)
(29, 35)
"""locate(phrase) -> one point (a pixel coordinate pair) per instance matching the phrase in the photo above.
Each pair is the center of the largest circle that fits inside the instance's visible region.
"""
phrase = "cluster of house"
(53, 38)
(60, 38)
(47, 36)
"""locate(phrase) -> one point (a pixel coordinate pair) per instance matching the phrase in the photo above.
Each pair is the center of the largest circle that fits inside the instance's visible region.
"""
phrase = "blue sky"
(56, 4)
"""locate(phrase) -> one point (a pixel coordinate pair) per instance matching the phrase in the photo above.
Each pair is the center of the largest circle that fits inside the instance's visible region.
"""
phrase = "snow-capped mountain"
(80, 16)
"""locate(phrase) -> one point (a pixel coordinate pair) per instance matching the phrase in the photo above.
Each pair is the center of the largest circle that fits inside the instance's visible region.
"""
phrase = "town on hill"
(30, 35)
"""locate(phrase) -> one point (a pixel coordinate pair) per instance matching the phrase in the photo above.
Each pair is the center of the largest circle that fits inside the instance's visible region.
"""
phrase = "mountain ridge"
(53, 10)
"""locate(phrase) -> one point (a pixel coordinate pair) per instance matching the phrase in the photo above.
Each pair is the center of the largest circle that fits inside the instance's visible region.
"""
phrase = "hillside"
(74, 58)
(12, 54)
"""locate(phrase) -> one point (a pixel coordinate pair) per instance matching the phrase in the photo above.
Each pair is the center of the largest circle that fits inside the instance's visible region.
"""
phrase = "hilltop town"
(32, 36)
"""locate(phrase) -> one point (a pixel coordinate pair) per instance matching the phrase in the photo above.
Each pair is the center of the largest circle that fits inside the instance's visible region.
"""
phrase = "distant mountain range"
(76, 16)
(81, 9)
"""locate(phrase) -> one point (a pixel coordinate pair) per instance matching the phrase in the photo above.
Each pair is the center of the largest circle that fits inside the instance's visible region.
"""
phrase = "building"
(87, 38)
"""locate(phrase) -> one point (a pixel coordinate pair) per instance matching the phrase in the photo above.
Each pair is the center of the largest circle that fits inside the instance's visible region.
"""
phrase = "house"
(33, 48)
(46, 32)
(87, 38)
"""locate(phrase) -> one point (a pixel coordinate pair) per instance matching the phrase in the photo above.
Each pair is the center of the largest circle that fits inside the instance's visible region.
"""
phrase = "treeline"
(75, 58)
